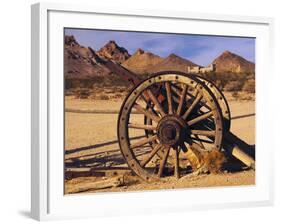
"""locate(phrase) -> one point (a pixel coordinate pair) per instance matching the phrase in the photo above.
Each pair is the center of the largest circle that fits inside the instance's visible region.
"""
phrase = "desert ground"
(92, 153)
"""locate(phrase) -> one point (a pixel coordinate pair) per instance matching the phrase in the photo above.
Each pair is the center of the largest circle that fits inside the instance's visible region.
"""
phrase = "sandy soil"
(92, 151)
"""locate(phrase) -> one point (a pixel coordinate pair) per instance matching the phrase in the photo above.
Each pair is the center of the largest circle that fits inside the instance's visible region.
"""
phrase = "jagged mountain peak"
(70, 41)
(113, 51)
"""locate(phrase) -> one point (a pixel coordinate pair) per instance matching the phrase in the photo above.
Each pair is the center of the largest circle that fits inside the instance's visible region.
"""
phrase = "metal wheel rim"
(129, 102)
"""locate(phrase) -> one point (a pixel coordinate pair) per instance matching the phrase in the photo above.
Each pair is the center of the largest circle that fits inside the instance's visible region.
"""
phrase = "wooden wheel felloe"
(180, 112)
(221, 100)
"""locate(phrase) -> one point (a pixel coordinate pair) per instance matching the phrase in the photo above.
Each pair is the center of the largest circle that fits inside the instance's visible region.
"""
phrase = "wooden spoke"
(163, 161)
(145, 99)
(176, 90)
(183, 147)
(182, 99)
(176, 99)
(197, 146)
(203, 132)
(202, 140)
(143, 141)
(142, 126)
(156, 102)
(201, 104)
(150, 156)
(200, 118)
(146, 113)
(192, 106)
(176, 154)
(200, 143)
(169, 97)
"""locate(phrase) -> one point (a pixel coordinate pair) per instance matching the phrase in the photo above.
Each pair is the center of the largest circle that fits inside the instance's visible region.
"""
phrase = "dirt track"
(91, 142)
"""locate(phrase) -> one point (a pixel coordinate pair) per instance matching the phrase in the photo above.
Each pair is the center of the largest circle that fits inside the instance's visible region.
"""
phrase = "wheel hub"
(171, 130)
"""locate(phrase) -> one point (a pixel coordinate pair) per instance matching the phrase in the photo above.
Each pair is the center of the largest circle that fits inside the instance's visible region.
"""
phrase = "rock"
(114, 52)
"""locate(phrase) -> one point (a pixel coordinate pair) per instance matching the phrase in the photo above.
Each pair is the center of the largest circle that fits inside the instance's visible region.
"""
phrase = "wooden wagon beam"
(238, 148)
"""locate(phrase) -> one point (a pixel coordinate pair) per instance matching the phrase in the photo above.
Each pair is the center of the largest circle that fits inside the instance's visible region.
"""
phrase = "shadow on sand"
(113, 159)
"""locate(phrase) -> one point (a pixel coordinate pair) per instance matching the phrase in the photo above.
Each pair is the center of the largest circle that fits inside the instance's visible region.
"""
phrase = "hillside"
(173, 62)
(141, 62)
(78, 61)
(83, 67)
(113, 52)
(230, 62)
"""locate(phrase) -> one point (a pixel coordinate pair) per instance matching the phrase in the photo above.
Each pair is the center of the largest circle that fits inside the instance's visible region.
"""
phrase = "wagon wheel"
(184, 114)
(226, 115)
(221, 100)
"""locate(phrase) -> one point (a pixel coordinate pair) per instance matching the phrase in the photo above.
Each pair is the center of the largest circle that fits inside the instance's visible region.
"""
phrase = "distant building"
(199, 69)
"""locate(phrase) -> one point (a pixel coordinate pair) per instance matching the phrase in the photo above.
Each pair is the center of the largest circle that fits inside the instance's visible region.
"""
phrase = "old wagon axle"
(172, 131)
(184, 118)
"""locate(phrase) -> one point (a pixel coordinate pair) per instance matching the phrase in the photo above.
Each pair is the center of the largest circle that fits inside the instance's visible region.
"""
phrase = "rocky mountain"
(83, 67)
(230, 62)
(114, 52)
(78, 60)
(141, 62)
(173, 62)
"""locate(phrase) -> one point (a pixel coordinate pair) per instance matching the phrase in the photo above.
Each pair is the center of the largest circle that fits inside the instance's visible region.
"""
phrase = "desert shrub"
(71, 83)
(219, 84)
(233, 86)
(211, 76)
(247, 97)
(103, 97)
(249, 86)
(82, 93)
(235, 94)
(96, 81)
(119, 95)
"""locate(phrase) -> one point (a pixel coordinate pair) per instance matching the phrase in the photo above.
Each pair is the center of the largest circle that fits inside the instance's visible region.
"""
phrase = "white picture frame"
(48, 201)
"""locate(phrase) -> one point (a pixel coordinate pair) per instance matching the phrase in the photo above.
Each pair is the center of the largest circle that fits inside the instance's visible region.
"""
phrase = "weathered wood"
(146, 113)
(163, 161)
(237, 148)
(200, 118)
(156, 102)
(150, 156)
(169, 97)
(243, 157)
(168, 132)
(143, 142)
(96, 185)
(182, 100)
(142, 126)
(176, 172)
(194, 103)
(71, 173)
(203, 132)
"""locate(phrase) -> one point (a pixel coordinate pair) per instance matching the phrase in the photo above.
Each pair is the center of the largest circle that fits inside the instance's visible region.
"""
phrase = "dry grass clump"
(229, 81)
(249, 86)
(82, 93)
(214, 161)
(102, 97)
(206, 162)
(233, 86)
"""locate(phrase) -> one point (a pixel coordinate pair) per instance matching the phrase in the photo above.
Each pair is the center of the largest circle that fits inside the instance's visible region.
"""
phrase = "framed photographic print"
(148, 111)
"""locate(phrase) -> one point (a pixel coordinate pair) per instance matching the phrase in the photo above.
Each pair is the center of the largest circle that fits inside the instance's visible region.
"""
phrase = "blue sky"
(200, 49)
